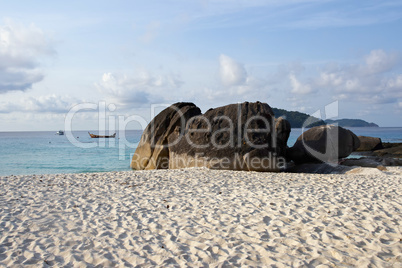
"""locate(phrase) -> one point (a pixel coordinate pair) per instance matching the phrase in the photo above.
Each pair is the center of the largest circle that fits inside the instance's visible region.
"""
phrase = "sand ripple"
(200, 217)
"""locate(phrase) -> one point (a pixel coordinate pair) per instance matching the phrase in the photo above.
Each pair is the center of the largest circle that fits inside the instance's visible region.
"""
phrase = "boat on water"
(60, 132)
(101, 136)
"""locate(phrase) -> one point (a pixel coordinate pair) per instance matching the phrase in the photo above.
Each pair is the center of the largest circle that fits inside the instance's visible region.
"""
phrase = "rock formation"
(152, 151)
(242, 136)
(323, 144)
(390, 152)
(282, 130)
(369, 144)
(236, 136)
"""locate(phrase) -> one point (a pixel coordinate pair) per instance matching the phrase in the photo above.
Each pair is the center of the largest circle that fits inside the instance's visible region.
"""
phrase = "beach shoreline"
(201, 217)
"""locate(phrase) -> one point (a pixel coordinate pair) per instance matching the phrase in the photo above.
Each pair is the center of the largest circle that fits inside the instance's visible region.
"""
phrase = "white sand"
(200, 217)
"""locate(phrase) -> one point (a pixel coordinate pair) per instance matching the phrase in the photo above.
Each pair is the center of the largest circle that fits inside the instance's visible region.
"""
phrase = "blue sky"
(293, 54)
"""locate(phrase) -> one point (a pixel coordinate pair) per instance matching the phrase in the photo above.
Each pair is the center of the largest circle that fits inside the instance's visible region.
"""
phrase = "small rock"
(369, 144)
(382, 168)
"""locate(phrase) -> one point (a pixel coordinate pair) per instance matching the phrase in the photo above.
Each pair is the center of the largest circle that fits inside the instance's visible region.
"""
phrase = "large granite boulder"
(323, 144)
(390, 152)
(153, 149)
(282, 130)
(369, 144)
(242, 136)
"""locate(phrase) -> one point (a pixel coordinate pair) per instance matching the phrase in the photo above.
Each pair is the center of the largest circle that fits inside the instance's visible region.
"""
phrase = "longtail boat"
(100, 136)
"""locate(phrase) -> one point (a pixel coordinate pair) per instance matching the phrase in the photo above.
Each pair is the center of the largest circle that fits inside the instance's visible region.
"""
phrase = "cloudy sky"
(129, 55)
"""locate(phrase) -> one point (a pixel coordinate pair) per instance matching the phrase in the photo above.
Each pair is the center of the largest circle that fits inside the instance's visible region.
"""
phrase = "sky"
(80, 63)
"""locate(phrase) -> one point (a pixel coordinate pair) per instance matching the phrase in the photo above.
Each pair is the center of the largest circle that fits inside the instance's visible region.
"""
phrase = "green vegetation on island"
(297, 119)
(351, 123)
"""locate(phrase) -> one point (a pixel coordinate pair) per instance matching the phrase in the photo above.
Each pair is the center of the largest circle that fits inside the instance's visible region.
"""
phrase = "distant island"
(351, 123)
(297, 119)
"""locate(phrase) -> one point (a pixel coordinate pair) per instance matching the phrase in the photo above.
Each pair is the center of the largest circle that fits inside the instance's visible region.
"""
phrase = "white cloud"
(334, 79)
(352, 85)
(142, 88)
(369, 81)
(366, 76)
(375, 79)
(298, 87)
(21, 48)
(42, 104)
(237, 85)
(231, 72)
(51, 103)
(378, 61)
(138, 89)
(394, 83)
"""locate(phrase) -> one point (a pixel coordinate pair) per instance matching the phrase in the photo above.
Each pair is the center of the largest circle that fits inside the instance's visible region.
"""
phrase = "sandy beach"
(202, 218)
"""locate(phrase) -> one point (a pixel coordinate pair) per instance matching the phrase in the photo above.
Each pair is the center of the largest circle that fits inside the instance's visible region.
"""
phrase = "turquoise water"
(47, 153)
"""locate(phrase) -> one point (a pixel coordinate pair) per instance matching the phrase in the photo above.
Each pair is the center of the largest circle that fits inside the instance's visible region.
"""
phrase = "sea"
(28, 153)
